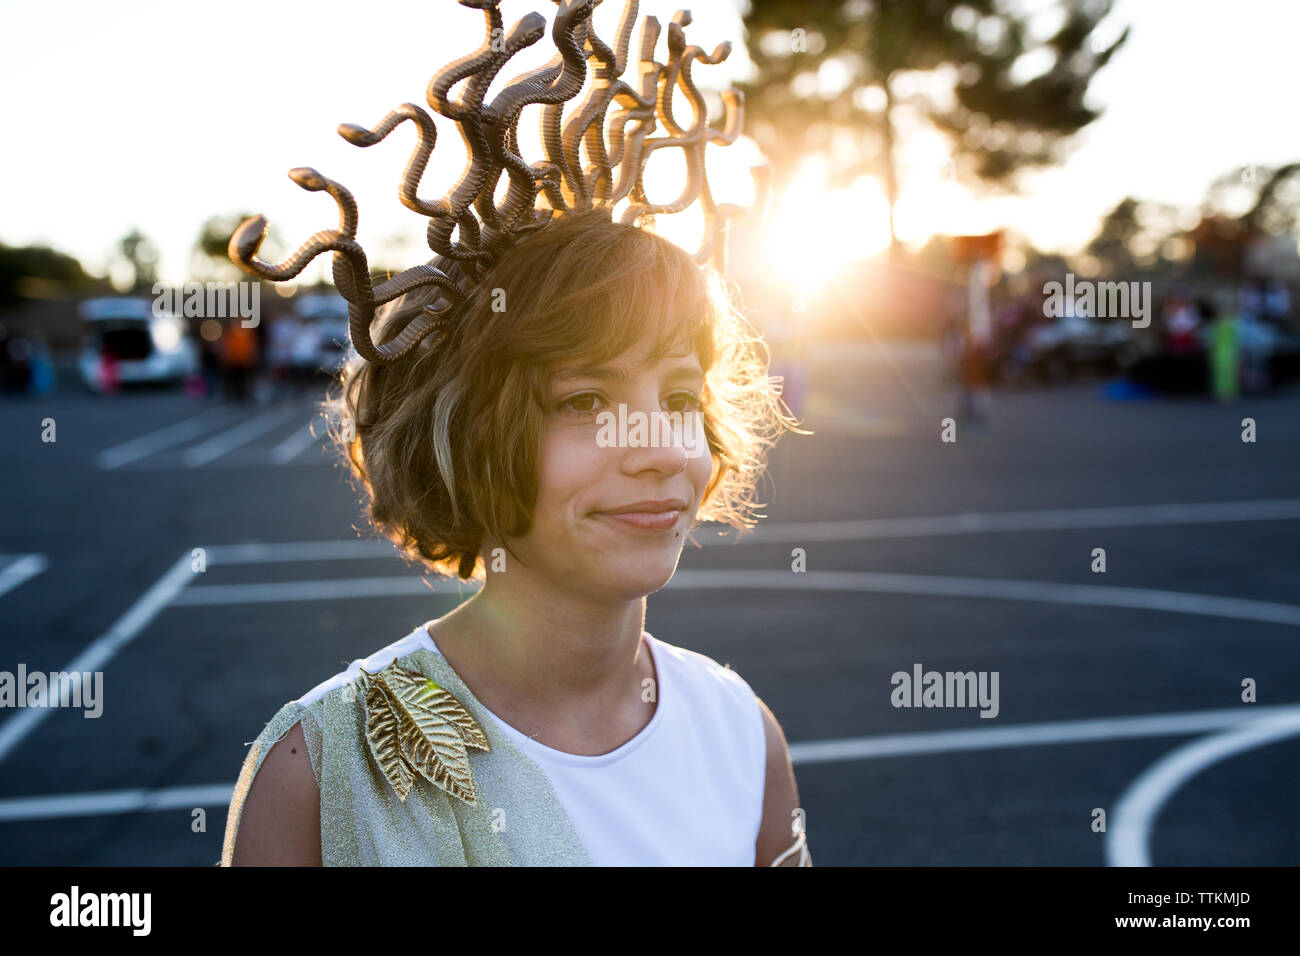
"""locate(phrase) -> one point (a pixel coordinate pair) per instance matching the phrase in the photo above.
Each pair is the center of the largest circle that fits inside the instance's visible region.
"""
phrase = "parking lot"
(205, 557)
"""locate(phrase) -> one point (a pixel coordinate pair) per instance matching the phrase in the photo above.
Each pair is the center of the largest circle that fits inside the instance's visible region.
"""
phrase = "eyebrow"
(611, 373)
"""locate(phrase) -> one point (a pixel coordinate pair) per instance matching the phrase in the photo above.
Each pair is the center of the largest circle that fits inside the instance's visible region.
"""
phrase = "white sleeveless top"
(685, 791)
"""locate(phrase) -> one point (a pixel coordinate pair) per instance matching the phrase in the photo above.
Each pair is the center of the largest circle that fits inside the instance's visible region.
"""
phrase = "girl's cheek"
(570, 457)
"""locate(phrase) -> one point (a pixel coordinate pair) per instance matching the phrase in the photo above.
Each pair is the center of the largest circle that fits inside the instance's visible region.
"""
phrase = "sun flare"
(815, 232)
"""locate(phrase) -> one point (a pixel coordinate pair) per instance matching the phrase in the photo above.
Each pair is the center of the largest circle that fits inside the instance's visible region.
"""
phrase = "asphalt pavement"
(1119, 693)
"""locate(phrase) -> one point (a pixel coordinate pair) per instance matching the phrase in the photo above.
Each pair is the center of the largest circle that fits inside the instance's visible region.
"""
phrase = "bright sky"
(158, 115)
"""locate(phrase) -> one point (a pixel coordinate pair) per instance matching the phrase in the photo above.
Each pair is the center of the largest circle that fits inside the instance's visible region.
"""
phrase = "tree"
(142, 256)
(41, 271)
(1135, 235)
(841, 76)
(209, 258)
(1266, 199)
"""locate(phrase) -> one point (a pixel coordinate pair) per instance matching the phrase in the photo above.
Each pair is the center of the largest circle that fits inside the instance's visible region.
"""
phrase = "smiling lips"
(657, 515)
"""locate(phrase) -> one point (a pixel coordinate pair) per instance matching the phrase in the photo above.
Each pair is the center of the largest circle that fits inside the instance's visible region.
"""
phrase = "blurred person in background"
(1267, 300)
(1012, 352)
(1258, 326)
(15, 367)
(109, 381)
(239, 352)
(974, 400)
(1182, 325)
(306, 349)
(1222, 344)
(210, 357)
(281, 336)
(41, 378)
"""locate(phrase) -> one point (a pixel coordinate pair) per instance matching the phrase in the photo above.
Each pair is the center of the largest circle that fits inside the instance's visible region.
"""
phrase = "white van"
(146, 347)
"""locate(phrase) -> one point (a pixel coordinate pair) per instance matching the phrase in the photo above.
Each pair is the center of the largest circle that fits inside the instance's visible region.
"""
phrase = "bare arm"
(780, 799)
(280, 825)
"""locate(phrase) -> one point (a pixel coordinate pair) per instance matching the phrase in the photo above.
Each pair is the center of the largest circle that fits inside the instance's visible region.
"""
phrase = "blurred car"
(322, 343)
(126, 343)
(1058, 349)
(1285, 367)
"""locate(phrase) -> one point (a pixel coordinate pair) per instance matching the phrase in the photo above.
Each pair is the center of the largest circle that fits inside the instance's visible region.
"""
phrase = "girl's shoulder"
(399, 650)
(332, 712)
(389, 796)
(701, 671)
(712, 695)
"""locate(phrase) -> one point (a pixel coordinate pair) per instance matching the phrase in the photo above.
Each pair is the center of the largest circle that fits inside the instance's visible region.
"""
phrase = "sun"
(814, 233)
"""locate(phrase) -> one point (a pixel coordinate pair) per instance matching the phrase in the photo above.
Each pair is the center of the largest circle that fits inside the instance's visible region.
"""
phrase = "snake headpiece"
(616, 149)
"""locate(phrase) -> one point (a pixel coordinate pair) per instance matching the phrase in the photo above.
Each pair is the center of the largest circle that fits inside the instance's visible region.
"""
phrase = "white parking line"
(1054, 519)
(171, 590)
(94, 657)
(1211, 512)
(232, 438)
(314, 590)
(1032, 735)
(114, 801)
(23, 566)
(1128, 837)
(297, 443)
(155, 441)
(275, 552)
(1086, 595)
(818, 751)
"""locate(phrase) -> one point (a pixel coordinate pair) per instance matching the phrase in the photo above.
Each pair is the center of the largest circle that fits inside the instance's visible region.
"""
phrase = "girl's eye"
(690, 402)
(585, 403)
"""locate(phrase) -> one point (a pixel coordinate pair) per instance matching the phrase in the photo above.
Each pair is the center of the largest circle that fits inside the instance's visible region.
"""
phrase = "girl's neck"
(548, 652)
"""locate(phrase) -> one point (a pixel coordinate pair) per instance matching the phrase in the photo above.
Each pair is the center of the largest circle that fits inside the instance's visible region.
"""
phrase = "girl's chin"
(638, 578)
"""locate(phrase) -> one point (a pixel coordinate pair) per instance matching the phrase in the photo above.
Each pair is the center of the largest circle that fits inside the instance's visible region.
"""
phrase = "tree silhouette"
(22, 267)
(1003, 91)
(1268, 197)
(1135, 235)
(142, 256)
(209, 259)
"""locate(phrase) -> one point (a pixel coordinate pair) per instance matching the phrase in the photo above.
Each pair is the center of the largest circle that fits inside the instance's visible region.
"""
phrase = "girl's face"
(615, 500)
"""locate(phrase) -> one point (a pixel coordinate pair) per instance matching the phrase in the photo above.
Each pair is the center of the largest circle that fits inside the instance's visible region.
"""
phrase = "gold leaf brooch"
(416, 727)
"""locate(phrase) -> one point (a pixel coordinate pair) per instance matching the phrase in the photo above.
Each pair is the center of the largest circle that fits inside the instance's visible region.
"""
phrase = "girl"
(509, 428)
(482, 457)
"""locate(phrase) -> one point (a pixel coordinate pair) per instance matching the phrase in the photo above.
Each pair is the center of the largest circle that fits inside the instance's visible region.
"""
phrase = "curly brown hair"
(445, 441)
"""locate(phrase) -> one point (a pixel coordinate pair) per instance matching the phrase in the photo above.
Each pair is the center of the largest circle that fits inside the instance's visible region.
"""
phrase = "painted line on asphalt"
(163, 438)
(316, 590)
(23, 567)
(227, 441)
(997, 522)
(1084, 595)
(1031, 735)
(922, 526)
(1128, 836)
(296, 443)
(14, 730)
(114, 801)
(824, 751)
(275, 552)
(1087, 595)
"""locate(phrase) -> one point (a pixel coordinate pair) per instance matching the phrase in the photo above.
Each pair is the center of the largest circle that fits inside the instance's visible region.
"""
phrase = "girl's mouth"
(643, 520)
